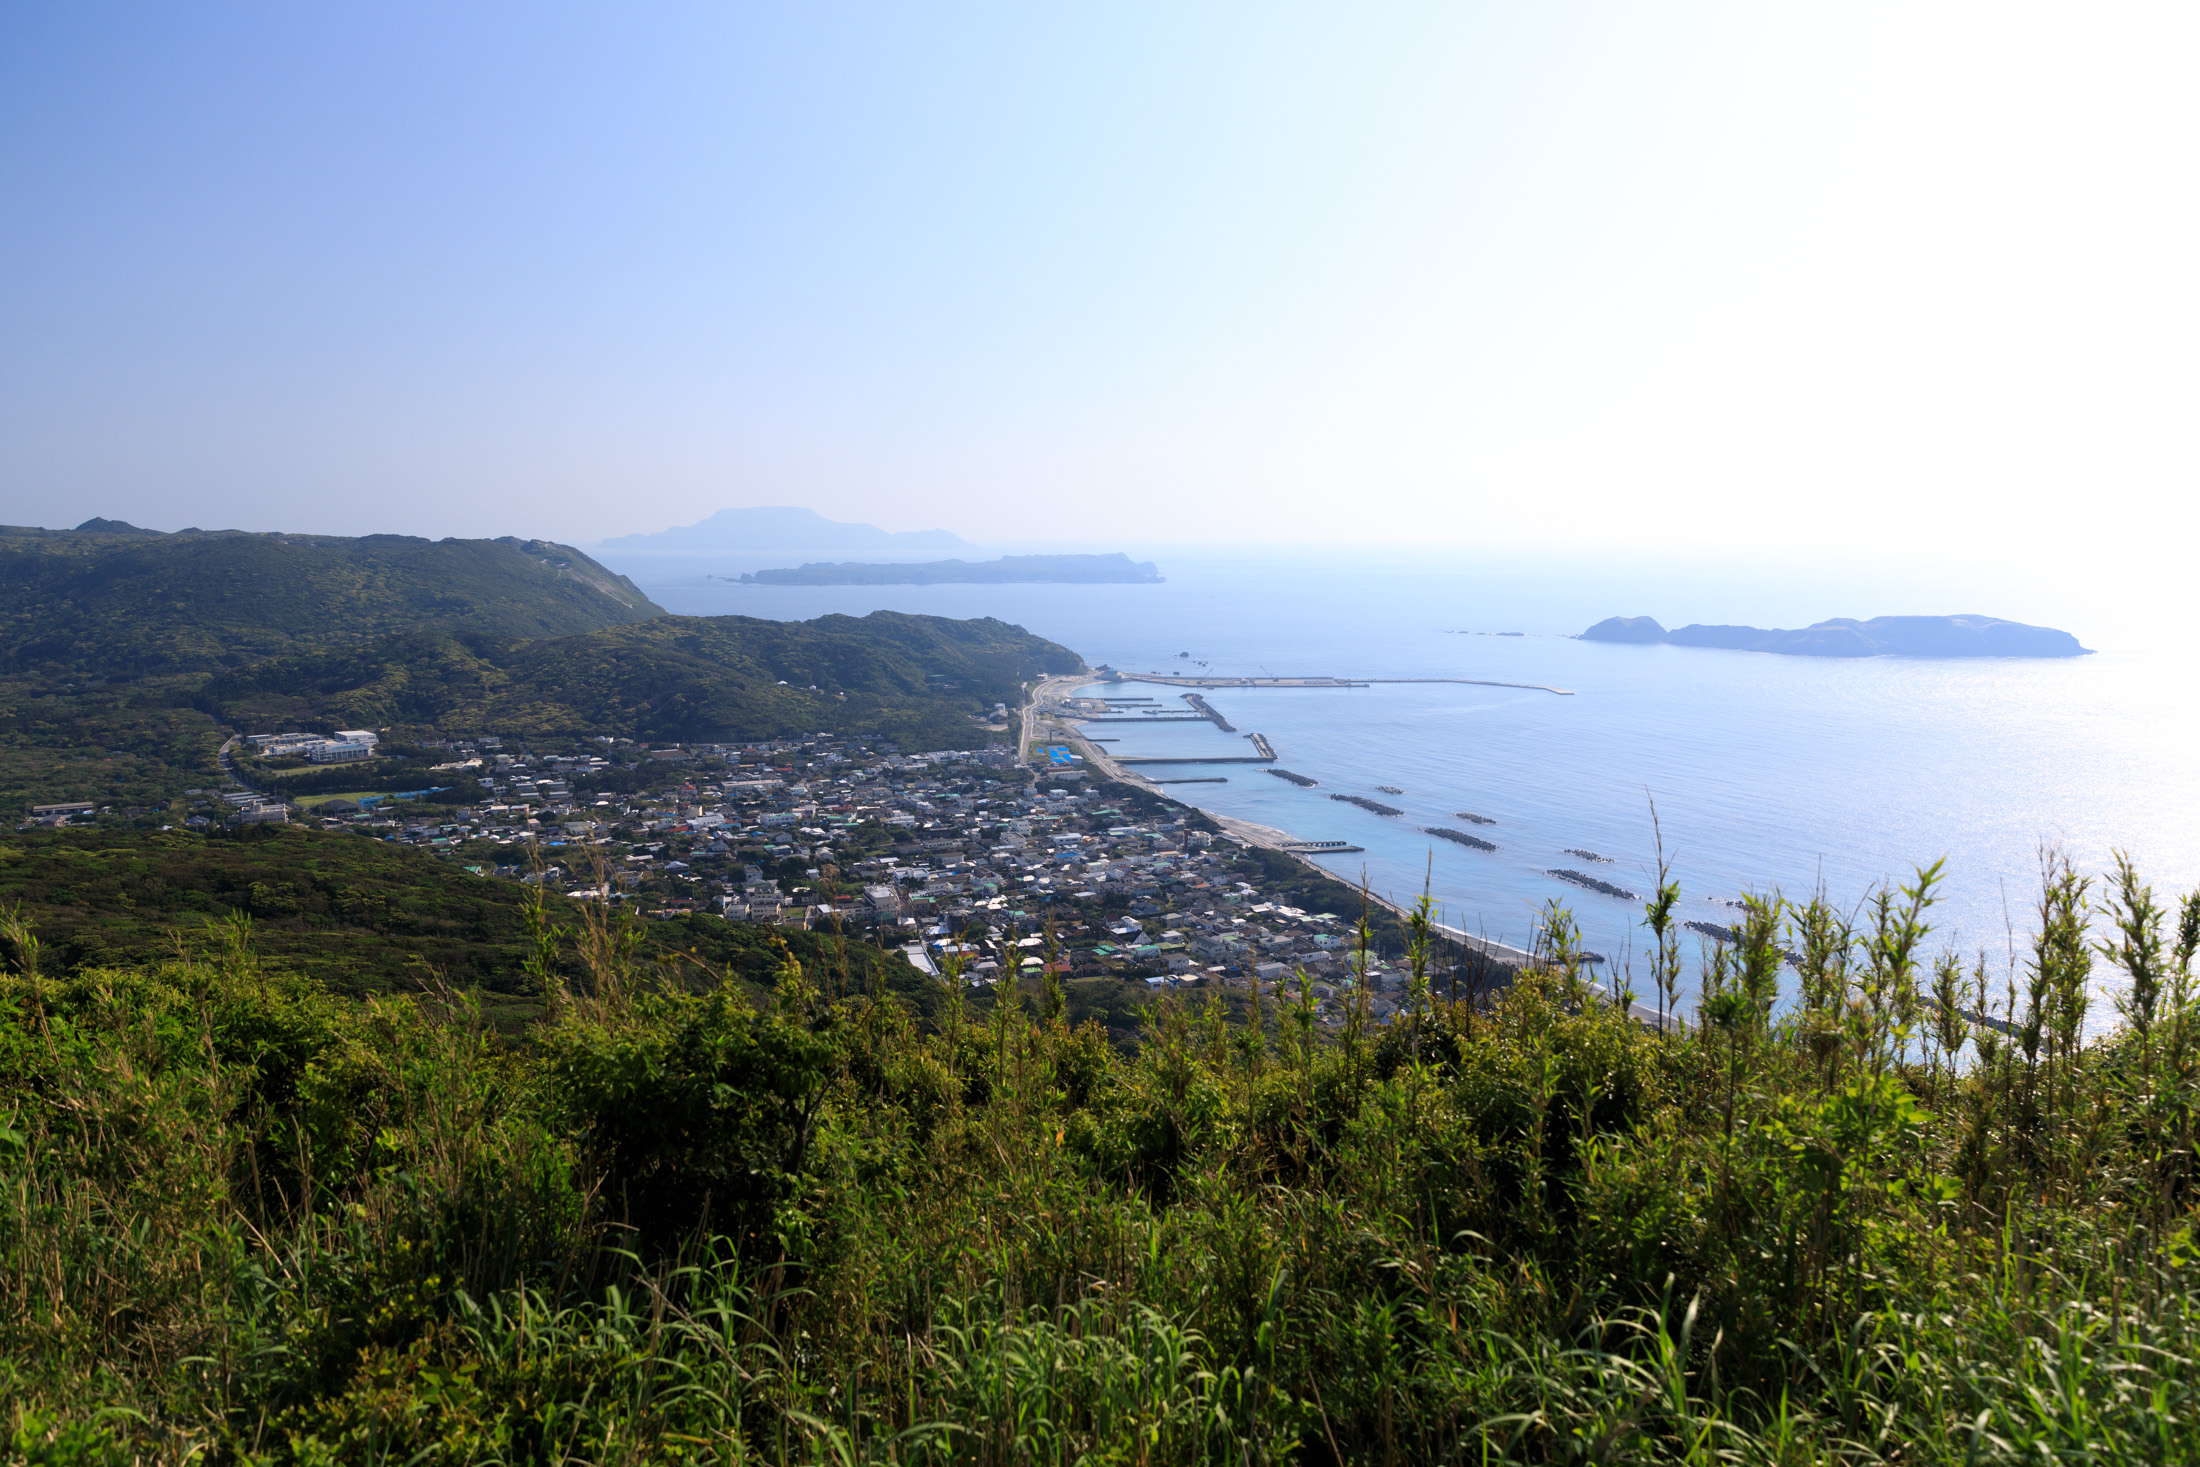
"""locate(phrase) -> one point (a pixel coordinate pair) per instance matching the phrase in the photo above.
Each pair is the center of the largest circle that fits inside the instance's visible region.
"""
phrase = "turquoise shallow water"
(1766, 771)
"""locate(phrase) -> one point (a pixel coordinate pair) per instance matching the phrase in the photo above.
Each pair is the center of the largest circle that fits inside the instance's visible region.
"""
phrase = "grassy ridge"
(267, 1223)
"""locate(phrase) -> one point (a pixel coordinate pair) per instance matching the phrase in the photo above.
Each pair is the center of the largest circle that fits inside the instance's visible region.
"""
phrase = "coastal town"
(975, 862)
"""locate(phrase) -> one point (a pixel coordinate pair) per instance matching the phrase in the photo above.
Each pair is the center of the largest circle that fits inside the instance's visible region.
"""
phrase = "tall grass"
(243, 1220)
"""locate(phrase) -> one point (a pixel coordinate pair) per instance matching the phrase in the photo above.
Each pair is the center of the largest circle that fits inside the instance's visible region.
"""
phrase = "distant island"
(788, 529)
(1117, 569)
(1882, 636)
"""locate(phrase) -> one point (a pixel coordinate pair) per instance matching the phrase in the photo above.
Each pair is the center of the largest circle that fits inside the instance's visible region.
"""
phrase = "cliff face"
(1882, 636)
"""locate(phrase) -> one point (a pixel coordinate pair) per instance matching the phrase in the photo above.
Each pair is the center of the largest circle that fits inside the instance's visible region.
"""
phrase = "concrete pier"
(1170, 680)
(1182, 759)
(1207, 711)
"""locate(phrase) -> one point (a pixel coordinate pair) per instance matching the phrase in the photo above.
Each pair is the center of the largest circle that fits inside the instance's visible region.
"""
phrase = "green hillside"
(918, 679)
(356, 915)
(126, 653)
(111, 601)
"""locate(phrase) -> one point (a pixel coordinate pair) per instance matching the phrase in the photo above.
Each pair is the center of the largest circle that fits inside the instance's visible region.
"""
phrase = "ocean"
(1767, 773)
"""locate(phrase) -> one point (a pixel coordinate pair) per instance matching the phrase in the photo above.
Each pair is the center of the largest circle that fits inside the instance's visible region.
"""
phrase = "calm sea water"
(1767, 772)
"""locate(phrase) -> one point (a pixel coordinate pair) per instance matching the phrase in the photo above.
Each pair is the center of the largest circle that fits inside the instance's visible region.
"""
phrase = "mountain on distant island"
(1115, 569)
(784, 529)
(1882, 636)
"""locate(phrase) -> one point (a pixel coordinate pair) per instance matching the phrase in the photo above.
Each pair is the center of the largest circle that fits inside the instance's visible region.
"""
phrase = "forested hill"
(110, 600)
(918, 679)
(127, 655)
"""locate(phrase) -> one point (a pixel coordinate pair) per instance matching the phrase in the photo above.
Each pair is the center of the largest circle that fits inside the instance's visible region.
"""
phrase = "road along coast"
(1042, 725)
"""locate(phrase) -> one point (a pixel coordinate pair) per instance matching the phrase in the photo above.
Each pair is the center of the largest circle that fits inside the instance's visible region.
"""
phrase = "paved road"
(229, 768)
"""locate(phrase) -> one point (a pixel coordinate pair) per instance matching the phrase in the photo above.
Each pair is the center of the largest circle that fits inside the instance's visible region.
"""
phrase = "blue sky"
(1596, 276)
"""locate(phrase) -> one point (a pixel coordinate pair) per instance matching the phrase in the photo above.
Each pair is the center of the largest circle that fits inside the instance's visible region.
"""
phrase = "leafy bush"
(243, 1219)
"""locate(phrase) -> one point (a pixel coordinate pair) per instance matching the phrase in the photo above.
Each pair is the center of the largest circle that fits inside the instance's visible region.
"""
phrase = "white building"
(339, 751)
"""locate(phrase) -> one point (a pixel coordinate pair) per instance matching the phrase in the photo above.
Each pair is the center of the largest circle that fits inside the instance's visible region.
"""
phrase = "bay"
(1767, 773)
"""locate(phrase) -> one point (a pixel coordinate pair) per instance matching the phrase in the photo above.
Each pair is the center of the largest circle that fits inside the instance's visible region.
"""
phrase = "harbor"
(1214, 680)
(1075, 711)
(1140, 759)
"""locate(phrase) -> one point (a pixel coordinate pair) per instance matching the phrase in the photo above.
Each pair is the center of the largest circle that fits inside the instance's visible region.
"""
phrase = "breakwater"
(1298, 779)
(1207, 711)
(1375, 807)
(1582, 878)
(1212, 681)
(1191, 759)
(1460, 837)
(1471, 818)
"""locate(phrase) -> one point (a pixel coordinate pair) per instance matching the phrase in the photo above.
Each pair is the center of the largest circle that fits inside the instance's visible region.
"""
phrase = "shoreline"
(1267, 837)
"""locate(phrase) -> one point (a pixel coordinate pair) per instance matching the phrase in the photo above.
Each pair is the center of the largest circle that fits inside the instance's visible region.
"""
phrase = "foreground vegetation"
(356, 916)
(246, 1219)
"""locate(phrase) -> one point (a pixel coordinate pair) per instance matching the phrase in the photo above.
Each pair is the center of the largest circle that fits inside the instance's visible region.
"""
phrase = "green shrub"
(698, 1110)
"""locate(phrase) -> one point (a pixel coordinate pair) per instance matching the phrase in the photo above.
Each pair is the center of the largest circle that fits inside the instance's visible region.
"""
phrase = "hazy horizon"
(1544, 590)
(1903, 289)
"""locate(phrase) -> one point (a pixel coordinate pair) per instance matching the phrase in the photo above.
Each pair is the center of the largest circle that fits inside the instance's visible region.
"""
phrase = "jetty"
(1191, 758)
(1207, 711)
(1212, 680)
(1126, 711)
(1320, 847)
